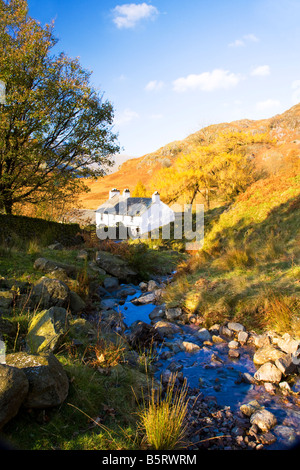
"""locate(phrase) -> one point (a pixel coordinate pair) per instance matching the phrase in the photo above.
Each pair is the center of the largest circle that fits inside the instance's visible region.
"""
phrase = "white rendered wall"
(158, 215)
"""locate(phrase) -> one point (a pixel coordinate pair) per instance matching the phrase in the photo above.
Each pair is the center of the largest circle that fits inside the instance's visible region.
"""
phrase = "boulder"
(203, 335)
(59, 274)
(143, 286)
(47, 266)
(288, 344)
(225, 331)
(235, 326)
(286, 435)
(159, 293)
(111, 283)
(243, 337)
(115, 266)
(268, 372)
(233, 353)
(125, 292)
(143, 336)
(152, 285)
(261, 340)
(249, 408)
(48, 382)
(189, 347)
(157, 312)
(264, 419)
(145, 299)
(48, 292)
(76, 303)
(267, 354)
(14, 387)
(173, 313)
(217, 339)
(167, 329)
(47, 329)
(286, 365)
(93, 266)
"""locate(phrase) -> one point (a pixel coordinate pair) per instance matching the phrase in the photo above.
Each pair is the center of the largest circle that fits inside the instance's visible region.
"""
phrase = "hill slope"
(284, 128)
(249, 268)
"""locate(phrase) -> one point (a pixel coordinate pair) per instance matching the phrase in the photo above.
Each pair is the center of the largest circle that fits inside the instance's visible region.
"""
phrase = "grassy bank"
(105, 399)
(249, 268)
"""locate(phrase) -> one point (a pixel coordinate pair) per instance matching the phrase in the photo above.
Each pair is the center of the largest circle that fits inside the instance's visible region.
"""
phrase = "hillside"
(248, 269)
(283, 128)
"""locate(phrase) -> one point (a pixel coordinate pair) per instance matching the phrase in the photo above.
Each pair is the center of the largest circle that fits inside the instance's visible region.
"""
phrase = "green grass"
(251, 250)
(101, 410)
(98, 414)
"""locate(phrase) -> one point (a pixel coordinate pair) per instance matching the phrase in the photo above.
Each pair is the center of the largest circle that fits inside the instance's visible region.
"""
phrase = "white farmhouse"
(139, 214)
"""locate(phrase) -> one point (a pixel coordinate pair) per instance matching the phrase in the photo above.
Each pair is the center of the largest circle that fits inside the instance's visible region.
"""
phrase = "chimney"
(155, 197)
(126, 193)
(114, 192)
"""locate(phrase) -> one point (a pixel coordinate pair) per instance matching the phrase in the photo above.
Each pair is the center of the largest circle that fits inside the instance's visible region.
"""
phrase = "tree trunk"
(8, 204)
(207, 199)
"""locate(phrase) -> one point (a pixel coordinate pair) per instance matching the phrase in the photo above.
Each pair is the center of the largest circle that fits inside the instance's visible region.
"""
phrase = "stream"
(214, 373)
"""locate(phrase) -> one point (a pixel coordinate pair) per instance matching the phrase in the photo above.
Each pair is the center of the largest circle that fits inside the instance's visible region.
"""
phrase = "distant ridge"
(285, 128)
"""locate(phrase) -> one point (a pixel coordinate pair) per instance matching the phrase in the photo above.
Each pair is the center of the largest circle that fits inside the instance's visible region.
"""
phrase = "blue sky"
(171, 67)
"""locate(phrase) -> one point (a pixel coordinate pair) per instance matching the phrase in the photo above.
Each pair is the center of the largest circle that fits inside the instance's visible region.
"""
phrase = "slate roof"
(132, 206)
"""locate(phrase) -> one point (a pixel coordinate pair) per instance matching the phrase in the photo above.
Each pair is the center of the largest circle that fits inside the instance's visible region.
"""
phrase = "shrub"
(15, 230)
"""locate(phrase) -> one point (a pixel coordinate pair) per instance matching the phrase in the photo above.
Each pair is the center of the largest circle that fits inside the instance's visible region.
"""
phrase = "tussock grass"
(282, 313)
(162, 420)
(235, 258)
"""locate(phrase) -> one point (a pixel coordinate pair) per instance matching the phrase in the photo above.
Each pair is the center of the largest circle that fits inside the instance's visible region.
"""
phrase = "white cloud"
(267, 105)
(154, 85)
(129, 14)
(251, 37)
(237, 43)
(261, 71)
(207, 81)
(296, 91)
(125, 117)
(242, 41)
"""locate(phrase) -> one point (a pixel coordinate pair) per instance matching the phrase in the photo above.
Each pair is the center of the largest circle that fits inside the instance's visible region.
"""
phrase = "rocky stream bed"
(243, 388)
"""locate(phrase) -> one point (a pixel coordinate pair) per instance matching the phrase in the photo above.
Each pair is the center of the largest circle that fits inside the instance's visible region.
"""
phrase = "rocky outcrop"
(48, 292)
(47, 329)
(48, 266)
(30, 381)
(48, 382)
(14, 387)
(115, 266)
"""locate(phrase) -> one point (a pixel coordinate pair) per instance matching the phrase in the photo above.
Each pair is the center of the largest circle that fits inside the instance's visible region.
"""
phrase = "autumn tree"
(224, 167)
(140, 190)
(55, 129)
